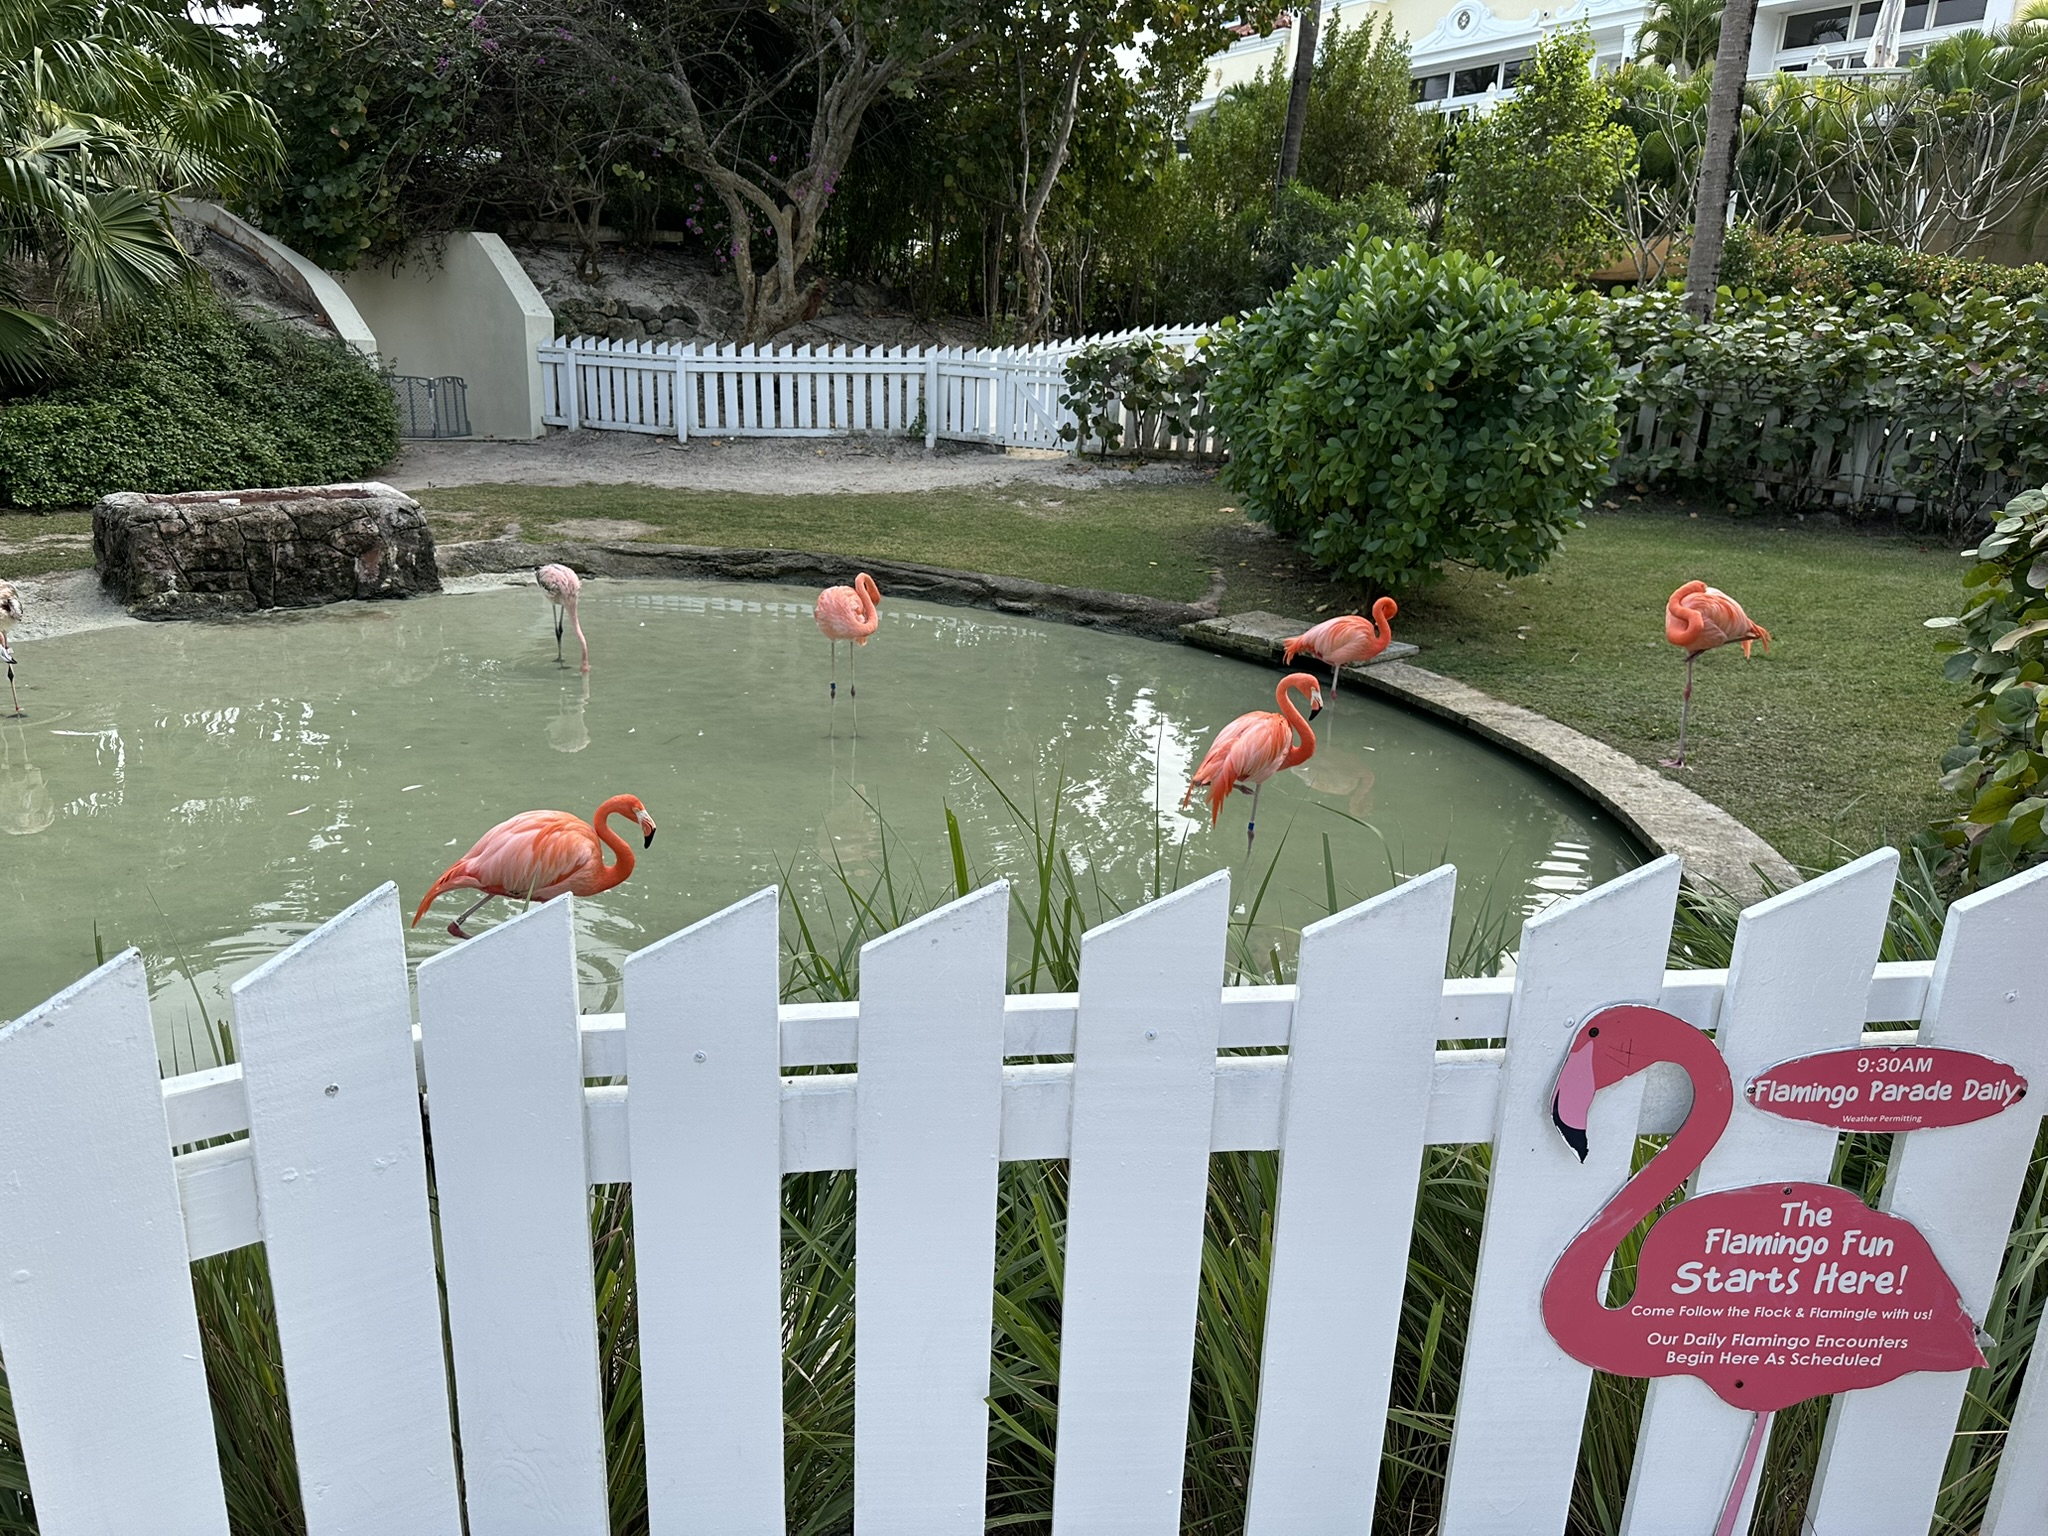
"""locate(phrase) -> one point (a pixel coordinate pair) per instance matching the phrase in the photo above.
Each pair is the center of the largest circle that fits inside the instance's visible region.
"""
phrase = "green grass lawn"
(34, 544)
(1826, 746)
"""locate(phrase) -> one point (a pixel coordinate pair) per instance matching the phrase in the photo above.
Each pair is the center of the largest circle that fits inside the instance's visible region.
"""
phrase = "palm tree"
(1717, 157)
(108, 109)
(1681, 35)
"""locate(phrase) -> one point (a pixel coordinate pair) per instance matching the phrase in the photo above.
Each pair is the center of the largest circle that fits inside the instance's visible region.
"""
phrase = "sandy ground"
(772, 465)
(63, 603)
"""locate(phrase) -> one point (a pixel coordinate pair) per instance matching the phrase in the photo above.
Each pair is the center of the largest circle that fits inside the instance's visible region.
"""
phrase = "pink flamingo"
(1254, 747)
(10, 615)
(1800, 1238)
(1697, 619)
(538, 855)
(1346, 640)
(563, 587)
(849, 613)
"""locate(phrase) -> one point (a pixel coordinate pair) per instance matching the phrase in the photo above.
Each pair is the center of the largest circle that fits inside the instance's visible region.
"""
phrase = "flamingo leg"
(1745, 1473)
(1336, 676)
(558, 633)
(456, 926)
(19, 712)
(1684, 713)
(1251, 826)
(835, 670)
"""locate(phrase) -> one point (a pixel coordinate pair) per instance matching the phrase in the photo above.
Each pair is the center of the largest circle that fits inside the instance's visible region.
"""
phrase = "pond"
(210, 792)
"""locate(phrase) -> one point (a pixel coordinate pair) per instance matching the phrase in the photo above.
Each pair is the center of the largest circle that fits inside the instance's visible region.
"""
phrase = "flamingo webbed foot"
(455, 928)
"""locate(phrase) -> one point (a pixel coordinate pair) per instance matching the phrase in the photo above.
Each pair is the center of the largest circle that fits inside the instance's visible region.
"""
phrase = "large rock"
(213, 552)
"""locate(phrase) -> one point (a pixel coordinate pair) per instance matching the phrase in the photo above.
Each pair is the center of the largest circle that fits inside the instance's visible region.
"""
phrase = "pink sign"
(1770, 1294)
(1888, 1088)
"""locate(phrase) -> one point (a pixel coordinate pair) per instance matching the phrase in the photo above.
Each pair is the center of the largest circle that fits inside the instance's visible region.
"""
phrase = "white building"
(1464, 53)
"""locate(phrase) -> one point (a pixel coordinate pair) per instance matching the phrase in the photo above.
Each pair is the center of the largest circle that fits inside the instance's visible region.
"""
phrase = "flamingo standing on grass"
(1615, 1044)
(1254, 747)
(538, 855)
(563, 587)
(1347, 640)
(848, 613)
(1697, 619)
(10, 615)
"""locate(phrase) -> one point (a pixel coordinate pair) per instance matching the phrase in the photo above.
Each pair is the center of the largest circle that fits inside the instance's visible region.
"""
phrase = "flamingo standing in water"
(1346, 640)
(848, 613)
(10, 615)
(1254, 747)
(563, 587)
(1784, 1229)
(1697, 619)
(538, 855)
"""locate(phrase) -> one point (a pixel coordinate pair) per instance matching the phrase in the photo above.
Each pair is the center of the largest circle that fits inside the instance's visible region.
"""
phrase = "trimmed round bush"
(1397, 410)
(184, 396)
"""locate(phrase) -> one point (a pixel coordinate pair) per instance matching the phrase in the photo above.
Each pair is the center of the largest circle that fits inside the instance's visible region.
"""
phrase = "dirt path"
(789, 466)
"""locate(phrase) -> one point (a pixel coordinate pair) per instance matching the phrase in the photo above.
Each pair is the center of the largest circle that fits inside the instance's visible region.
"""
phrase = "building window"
(1432, 87)
(1511, 70)
(1474, 82)
(1958, 13)
(1813, 29)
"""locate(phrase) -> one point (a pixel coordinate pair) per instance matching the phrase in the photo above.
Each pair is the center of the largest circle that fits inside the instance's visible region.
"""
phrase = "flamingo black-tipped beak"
(647, 841)
(1574, 1135)
(1314, 710)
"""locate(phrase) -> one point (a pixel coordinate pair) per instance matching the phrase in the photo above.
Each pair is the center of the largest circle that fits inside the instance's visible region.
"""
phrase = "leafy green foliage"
(1682, 35)
(1535, 177)
(1791, 261)
(1789, 381)
(1397, 410)
(1998, 647)
(184, 396)
(1114, 384)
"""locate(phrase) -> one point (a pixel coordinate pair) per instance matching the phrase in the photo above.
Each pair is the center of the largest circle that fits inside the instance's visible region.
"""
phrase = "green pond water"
(210, 792)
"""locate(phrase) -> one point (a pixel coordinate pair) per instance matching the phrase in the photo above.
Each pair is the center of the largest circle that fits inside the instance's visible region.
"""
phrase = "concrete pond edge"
(1662, 814)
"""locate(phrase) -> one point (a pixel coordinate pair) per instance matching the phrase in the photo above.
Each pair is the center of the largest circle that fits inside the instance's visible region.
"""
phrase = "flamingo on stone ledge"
(538, 855)
(1697, 619)
(1807, 1245)
(1347, 640)
(1254, 747)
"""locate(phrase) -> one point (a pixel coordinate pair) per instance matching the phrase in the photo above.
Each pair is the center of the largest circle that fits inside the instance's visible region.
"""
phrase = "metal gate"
(430, 407)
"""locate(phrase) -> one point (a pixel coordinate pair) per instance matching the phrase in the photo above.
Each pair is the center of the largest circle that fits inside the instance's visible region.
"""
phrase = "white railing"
(104, 1202)
(1008, 396)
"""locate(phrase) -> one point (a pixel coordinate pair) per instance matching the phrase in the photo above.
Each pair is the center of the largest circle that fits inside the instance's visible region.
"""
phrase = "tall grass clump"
(1054, 900)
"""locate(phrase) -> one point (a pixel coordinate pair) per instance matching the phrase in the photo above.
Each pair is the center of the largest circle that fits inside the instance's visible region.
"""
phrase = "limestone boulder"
(201, 553)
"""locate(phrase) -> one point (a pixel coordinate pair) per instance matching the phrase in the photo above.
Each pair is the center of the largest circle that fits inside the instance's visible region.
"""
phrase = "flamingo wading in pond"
(538, 855)
(1346, 640)
(1254, 747)
(848, 613)
(10, 615)
(1697, 619)
(1810, 1259)
(563, 588)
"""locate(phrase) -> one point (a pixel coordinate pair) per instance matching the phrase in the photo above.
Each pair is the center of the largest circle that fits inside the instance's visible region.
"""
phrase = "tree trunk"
(1308, 21)
(1717, 158)
(1031, 259)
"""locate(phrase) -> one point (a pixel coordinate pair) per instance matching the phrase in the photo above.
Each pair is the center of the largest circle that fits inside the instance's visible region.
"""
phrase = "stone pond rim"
(1664, 815)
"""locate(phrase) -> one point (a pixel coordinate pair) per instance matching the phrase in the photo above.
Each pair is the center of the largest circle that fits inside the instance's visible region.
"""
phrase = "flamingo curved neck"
(1577, 1277)
(1304, 738)
(622, 863)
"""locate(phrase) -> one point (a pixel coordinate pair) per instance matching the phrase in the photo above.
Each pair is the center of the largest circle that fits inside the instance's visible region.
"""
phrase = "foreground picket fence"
(1005, 396)
(99, 1219)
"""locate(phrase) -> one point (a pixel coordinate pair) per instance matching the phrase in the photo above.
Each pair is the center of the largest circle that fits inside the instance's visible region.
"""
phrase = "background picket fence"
(1006, 396)
(111, 1182)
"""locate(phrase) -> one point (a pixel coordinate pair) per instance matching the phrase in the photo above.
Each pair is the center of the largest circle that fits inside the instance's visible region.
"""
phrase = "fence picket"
(930, 1108)
(504, 1064)
(101, 1337)
(1959, 1187)
(1795, 986)
(1512, 1460)
(704, 1079)
(325, 1031)
(2019, 1496)
(1143, 1102)
(1347, 1178)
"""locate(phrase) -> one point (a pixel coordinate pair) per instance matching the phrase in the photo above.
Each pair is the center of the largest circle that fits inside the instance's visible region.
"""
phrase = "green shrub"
(1397, 410)
(1114, 384)
(184, 396)
(1308, 229)
(1999, 648)
(1843, 271)
(1794, 396)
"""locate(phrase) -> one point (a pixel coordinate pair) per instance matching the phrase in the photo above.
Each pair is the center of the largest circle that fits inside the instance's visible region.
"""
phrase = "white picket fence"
(112, 1181)
(1008, 396)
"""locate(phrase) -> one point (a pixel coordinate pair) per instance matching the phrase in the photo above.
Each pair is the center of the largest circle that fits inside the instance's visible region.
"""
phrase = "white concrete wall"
(315, 286)
(464, 308)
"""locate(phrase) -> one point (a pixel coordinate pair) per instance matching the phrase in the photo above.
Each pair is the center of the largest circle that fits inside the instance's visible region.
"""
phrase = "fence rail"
(112, 1181)
(1007, 396)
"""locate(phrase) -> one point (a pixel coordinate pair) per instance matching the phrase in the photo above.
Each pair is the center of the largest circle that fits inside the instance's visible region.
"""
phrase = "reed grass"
(1054, 900)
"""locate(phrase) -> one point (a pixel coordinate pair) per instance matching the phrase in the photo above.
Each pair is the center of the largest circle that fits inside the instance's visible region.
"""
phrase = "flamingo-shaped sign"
(1769, 1294)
